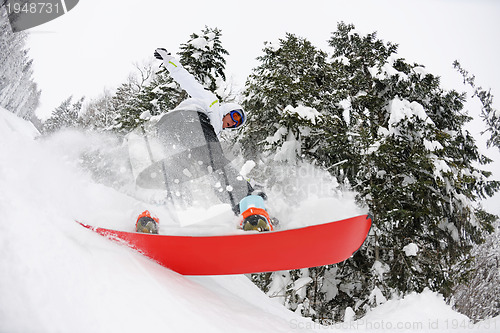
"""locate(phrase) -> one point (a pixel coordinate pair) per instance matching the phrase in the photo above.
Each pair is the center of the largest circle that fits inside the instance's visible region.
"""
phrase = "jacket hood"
(228, 107)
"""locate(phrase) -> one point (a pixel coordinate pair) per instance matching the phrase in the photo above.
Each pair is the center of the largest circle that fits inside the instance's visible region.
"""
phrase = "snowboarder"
(222, 116)
(202, 113)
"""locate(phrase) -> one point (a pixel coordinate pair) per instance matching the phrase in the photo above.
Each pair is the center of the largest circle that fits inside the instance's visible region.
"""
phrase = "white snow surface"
(410, 249)
(56, 276)
(401, 109)
(304, 112)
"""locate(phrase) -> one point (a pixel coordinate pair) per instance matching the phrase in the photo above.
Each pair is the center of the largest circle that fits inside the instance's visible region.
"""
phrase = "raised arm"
(185, 79)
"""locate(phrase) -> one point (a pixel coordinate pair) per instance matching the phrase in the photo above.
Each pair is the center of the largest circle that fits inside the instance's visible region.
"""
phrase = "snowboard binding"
(258, 222)
(254, 216)
(146, 223)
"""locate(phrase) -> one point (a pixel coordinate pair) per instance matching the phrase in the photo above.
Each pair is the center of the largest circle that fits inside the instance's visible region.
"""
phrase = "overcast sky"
(95, 45)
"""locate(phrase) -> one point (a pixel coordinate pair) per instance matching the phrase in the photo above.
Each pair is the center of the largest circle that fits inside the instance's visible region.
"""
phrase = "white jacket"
(201, 99)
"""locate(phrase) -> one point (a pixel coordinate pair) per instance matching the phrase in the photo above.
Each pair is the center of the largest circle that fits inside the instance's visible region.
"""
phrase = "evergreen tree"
(387, 128)
(294, 115)
(490, 116)
(18, 92)
(478, 297)
(286, 98)
(203, 56)
(415, 165)
(99, 114)
(144, 94)
(65, 115)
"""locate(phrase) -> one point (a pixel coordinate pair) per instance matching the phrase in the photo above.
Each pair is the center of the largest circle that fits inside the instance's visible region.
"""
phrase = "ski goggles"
(238, 117)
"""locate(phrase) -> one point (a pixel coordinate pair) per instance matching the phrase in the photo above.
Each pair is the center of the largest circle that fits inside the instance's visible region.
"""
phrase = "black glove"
(158, 55)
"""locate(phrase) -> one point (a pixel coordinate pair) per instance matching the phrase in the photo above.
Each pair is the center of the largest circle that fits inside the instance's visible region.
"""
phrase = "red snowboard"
(316, 245)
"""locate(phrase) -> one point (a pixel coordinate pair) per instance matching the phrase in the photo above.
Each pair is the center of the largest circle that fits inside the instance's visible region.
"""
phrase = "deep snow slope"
(56, 276)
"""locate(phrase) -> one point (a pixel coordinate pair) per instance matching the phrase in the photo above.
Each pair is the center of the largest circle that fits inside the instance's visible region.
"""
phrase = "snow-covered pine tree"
(145, 92)
(286, 98)
(478, 297)
(490, 116)
(399, 140)
(204, 56)
(414, 166)
(18, 92)
(65, 115)
(293, 117)
(99, 113)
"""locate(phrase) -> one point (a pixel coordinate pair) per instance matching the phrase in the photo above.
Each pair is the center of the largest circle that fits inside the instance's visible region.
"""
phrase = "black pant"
(193, 150)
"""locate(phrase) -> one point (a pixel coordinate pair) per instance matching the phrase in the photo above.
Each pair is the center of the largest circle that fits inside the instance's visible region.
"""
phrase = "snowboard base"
(317, 245)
